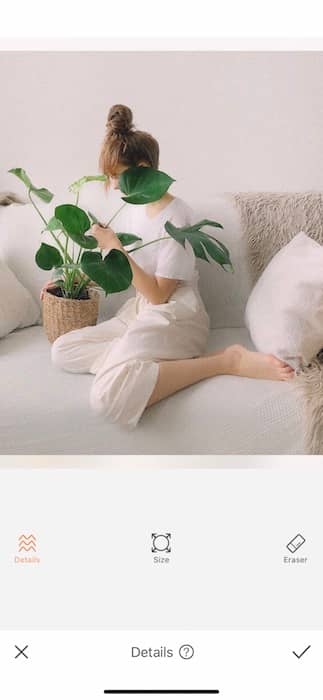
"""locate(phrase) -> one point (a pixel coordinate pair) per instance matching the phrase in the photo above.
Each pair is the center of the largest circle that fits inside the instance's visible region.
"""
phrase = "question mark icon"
(186, 651)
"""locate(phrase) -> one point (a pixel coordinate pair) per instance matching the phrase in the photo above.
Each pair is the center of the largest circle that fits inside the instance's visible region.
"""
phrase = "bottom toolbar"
(90, 665)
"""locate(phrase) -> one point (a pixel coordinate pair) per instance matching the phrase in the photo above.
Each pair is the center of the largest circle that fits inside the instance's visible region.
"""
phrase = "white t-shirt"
(166, 258)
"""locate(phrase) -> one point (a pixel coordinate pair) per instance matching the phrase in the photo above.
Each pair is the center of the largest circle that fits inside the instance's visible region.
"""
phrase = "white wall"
(225, 120)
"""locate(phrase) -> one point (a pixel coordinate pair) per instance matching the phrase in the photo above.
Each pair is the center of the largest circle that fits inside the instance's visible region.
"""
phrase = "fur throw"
(269, 220)
(7, 198)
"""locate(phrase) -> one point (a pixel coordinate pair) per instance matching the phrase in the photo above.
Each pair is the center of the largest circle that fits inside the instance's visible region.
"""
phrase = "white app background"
(227, 567)
(104, 570)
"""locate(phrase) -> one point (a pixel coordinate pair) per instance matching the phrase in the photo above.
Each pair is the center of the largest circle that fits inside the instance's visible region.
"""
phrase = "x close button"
(21, 652)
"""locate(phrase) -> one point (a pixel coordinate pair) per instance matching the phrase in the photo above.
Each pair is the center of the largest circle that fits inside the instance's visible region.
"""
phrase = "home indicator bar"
(162, 692)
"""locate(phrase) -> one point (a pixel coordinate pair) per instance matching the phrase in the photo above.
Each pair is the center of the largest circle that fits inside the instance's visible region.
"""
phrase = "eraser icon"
(295, 543)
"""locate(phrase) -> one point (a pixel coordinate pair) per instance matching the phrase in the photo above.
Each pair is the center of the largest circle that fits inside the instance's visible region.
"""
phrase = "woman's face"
(114, 179)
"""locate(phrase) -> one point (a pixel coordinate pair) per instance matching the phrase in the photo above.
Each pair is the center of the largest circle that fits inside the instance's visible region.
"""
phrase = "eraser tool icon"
(295, 543)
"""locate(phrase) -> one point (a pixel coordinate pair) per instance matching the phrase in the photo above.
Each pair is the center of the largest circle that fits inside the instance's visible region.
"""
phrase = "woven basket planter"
(63, 315)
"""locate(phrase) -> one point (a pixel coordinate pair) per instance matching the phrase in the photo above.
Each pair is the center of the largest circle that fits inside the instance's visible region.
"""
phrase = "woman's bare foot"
(256, 365)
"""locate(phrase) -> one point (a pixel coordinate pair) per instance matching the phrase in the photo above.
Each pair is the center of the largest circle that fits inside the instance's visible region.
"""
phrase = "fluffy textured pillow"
(284, 313)
(17, 307)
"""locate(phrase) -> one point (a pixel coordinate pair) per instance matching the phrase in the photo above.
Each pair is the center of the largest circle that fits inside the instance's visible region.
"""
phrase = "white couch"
(46, 411)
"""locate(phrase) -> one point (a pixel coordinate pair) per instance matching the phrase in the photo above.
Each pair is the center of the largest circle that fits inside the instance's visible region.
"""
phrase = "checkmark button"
(299, 656)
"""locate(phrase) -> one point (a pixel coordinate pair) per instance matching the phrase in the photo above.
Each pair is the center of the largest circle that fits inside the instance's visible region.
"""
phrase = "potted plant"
(75, 261)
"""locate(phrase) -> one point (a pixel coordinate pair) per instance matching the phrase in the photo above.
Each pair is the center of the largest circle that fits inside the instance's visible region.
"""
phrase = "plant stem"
(57, 241)
(80, 286)
(117, 212)
(163, 238)
(35, 207)
(66, 249)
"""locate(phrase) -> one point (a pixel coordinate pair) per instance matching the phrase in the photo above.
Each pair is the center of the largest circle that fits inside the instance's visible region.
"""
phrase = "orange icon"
(27, 543)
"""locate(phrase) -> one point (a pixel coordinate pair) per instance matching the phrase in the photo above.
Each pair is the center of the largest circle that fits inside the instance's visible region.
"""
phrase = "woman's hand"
(106, 238)
(45, 287)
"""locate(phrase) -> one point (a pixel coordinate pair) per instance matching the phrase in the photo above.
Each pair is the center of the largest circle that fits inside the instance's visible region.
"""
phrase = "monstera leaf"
(48, 257)
(113, 273)
(53, 225)
(76, 186)
(124, 238)
(142, 185)
(41, 192)
(128, 238)
(204, 245)
(76, 222)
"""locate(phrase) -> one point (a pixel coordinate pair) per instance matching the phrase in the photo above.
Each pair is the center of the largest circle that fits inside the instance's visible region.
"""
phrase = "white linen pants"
(124, 352)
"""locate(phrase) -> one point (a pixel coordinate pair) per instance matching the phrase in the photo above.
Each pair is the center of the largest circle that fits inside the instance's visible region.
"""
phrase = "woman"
(155, 344)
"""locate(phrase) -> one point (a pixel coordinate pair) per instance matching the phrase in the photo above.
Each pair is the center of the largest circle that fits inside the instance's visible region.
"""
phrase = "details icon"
(27, 550)
(27, 543)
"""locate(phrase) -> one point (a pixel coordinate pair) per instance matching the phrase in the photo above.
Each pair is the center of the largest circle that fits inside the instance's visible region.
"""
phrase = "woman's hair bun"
(120, 119)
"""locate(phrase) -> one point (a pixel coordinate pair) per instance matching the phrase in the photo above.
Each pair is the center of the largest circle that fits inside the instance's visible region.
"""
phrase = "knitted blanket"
(7, 198)
(269, 220)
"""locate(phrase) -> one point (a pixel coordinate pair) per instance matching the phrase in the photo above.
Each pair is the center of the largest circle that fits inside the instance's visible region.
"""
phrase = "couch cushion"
(20, 235)
(17, 307)
(46, 411)
(225, 294)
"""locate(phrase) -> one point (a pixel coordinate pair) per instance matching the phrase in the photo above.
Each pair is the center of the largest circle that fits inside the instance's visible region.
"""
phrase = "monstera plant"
(73, 255)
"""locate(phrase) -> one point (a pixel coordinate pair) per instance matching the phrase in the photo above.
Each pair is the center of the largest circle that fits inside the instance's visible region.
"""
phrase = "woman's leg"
(80, 350)
(126, 384)
(153, 360)
(235, 360)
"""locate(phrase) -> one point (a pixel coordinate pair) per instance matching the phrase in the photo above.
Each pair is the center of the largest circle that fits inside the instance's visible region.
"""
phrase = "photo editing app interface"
(165, 582)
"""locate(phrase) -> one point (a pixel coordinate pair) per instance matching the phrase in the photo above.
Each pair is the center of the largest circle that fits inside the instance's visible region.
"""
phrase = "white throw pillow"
(17, 307)
(284, 313)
